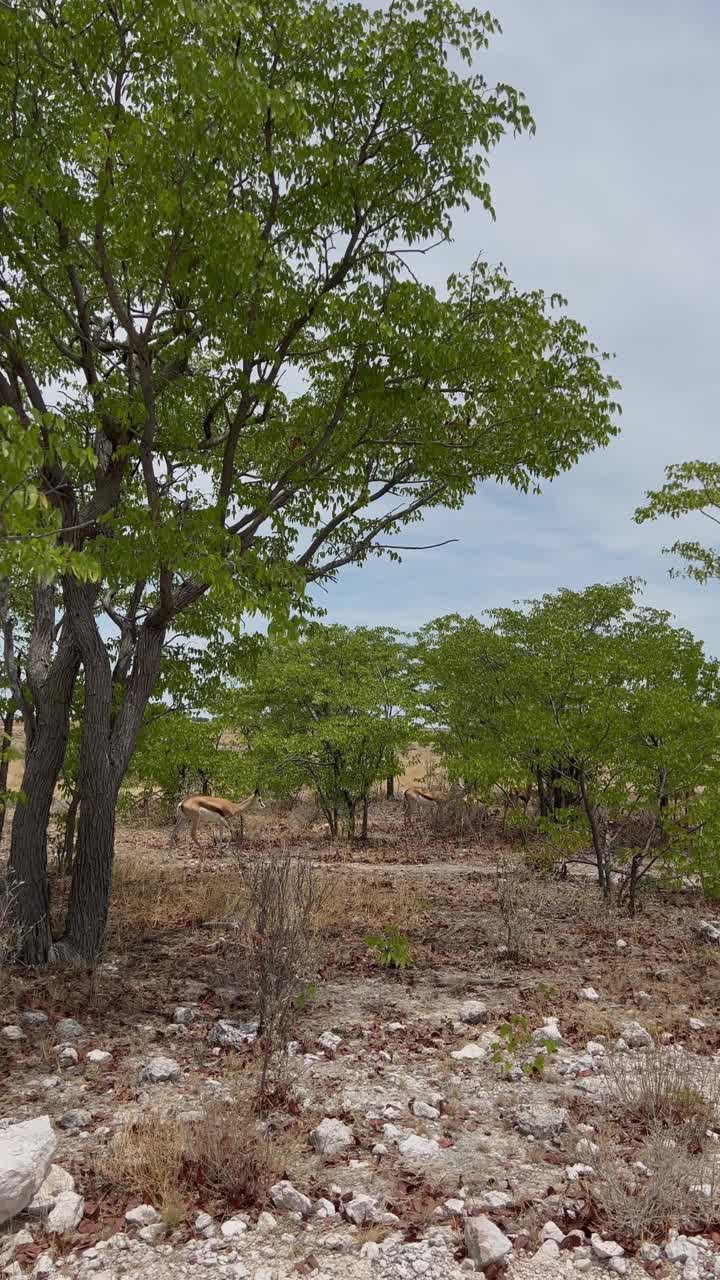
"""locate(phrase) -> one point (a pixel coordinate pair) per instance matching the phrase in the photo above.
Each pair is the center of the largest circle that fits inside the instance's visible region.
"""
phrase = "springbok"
(416, 802)
(215, 811)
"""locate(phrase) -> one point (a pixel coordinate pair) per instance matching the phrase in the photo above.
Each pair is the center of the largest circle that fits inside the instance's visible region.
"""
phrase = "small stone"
(324, 1208)
(650, 1252)
(266, 1221)
(143, 1215)
(362, 1210)
(635, 1035)
(473, 1012)
(329, 1041)
(331, 1137)
(618, 1265)
(485, 1242)
(183, 1015)
(416, 1147)
(696, 1024)
(98, 1056)
(548, 1254)
(152, 1233)
(286, 1196)
(76, 1119)
(34, 1018)
(69, 1029)
(66, 1213)
(12, 1032)
(379, 1149)
(233, 1228)
(548, 1031)
(621, 944)
(470, 1051)
(230, 1035)
(424, 1111)
(50, 1082)
(574, 1172)
(589, 993)
(595, 1048)
(44, 1266)
(541, 1120)
(160, 1071)
(56, 1181)
(67, 1056)
(707, 931)
(454, 1207)
(497, 1199)
(605, 1249)
(370, 1250)
(203, 1222)
(680, 1249)
(551, 1231)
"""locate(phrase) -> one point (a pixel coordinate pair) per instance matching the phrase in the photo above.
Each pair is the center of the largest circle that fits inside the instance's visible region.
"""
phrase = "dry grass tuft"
(225, 1159)
(659, 1089)
(150, 897)
(663, 1186)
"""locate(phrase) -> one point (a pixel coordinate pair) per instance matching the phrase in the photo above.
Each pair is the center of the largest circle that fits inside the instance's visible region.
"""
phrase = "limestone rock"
(541, 1120)
(470, 1051)
(605, 1249)
(232, 1035)
(67, 1056)
(331, 1137)
(707, 931)
(160, 1071)
(12, 1032)
(69, 1029)
(34, 1018)
(286, 1196)
(52, 1186)
(66, 1213)
(415, 1147)
(635, 1035)
(143, 1215)
(76, 1119)
(485, 1242)
(26, 1150)
(362, 1210)
(98, 1056)
(329, 1041)
(473, 1012)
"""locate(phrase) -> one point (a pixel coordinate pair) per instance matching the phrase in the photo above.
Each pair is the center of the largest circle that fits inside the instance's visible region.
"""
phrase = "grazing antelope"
(416, 802)
(214, 810)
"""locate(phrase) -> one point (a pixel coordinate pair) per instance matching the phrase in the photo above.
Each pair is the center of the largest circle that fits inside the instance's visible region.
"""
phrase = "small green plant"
(391, 948)
(515, 1040)
(306, 995)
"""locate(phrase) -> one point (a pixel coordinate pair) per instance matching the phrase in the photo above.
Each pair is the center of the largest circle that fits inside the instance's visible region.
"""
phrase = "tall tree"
(209, 324)
(689, 487)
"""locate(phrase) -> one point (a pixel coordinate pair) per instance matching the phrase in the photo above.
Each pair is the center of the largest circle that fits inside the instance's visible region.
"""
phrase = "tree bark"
(390, 787)
(69, 836)
(109, 734)
(5, 745)
(364, 828)
(45, 746)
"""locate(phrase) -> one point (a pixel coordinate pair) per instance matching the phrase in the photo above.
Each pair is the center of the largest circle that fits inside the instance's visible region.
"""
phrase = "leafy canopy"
(689, 487)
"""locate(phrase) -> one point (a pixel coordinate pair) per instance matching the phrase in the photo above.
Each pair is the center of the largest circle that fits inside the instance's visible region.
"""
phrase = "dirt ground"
(178, 936)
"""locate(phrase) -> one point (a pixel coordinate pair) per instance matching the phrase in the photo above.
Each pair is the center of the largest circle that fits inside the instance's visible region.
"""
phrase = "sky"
(612, 203)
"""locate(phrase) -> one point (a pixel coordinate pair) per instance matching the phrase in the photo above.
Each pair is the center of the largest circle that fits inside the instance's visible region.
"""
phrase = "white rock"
(362, 1210)
(485, 1242)
(12, 1032)
(183, 1015)
(75, 1119)
(470, 1051)
(696, 1024)
(50, 1082)
(548, 1031)
(586, 1149)
(379, 1149)
(370, 1250)
(547, 1255)
(621, 944)
(497, 1199)
(67, 1056)
(143, 1215)
(415, 1147)
(707, 931)
(324, 1208)
(391, 1133)
(618, 1265)
(160, 1071)
(98, 1056)
(66, 1213)
(331, 1137)
(473, 1012)
(26, 1151)
(551, 1231)
(680, 1249)
(328, 1040)
(574, 1172)
(203, 1222)
(595, 1048)
(286, 1196)
(233, 1228)
(151, 1234)
(266, 1221)
(650, 1252)
(231, 1035)
(69, 1029)
(589, 993)
(424, 1111)
(34, 1018)
(454, 1206)
(44, 1266)
(57, 1181)
(635, 1035)
(541, 1120)
(605, 1249)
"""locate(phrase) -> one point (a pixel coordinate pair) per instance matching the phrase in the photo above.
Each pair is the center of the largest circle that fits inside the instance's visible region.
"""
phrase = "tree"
(689, 487)
(595, 696)
(209, 329)
(327, 711)
(178, 754)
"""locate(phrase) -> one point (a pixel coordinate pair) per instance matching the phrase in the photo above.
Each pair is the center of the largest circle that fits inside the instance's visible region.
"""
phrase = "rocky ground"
(412, 1136)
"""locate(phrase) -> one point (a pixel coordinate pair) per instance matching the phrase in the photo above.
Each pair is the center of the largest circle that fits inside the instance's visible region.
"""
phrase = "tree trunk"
(364, 828)
(390, 787)
(106, 746)
(46, 741)
(5, 745)
(68, 848)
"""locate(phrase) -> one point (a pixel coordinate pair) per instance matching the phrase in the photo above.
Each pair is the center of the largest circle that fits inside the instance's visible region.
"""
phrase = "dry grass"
(662, 1186)
(149, 896)
(224, 1159)
(658, 1090)
(8, 931)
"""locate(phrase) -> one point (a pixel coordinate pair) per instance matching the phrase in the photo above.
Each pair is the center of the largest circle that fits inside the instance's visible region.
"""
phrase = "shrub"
(659, 1089)
(391, 948)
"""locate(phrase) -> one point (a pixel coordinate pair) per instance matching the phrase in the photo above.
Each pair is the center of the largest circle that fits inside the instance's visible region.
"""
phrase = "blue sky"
(614, 204)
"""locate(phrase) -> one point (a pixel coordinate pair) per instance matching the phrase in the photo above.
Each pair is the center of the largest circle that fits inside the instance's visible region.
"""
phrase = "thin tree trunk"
(364, 828)
(106, 746)
(390, 787)
(5, 745)
(46, 740)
